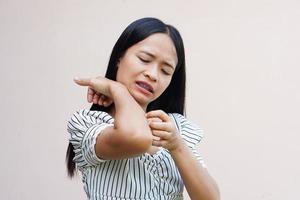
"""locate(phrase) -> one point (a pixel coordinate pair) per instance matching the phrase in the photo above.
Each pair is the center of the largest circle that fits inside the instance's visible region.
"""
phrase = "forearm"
(129, 115)
(199, 184)
(130, 134)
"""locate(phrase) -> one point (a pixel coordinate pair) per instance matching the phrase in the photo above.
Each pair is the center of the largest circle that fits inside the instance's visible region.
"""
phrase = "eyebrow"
(151, 55)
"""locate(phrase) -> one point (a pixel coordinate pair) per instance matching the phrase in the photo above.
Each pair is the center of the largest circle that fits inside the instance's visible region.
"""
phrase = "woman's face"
(147, 68)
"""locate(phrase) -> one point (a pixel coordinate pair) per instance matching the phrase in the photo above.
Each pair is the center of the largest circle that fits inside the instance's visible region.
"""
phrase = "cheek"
(165, 84)
(122, 71)
(127, 69)
(121, 74)
(168, 81)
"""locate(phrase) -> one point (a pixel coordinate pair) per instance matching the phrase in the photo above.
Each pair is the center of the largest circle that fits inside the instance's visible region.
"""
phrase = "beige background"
(243, 88)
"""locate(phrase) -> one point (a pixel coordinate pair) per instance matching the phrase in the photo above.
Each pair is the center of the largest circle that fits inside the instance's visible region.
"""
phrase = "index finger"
(90, 94)
(82, 81)
(160, 114)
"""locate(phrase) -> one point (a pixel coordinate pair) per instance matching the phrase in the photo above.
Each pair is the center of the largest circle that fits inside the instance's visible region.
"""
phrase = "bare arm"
(199, 184)
(130, 136)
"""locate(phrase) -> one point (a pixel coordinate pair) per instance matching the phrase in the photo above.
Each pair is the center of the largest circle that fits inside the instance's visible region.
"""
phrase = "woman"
(134, 142)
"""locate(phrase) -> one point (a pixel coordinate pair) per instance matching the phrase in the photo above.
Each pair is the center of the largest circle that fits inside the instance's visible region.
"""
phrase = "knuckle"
(161, 111)
(93, 81)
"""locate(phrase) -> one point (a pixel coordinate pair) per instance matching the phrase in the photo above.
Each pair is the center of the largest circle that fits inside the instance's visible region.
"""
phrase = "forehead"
(159, 44)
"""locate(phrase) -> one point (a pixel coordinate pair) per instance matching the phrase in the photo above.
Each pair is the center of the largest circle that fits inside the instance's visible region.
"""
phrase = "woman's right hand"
(99, 89)
(98, 98)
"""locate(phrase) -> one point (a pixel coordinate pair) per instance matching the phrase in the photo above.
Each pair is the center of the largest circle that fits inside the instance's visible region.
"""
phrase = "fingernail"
(89, 99)
(76, 78)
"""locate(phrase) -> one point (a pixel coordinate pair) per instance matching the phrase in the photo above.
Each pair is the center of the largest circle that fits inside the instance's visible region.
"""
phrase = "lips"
(145, 86)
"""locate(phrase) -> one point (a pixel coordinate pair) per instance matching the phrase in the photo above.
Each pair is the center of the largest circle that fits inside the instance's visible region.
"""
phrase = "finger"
(155, 138)
(82, 81)
(101, 99)
(160, 126)
(90, 94)
(160, 114)
(153, 119)
(163, 135)
(96, 84)
(100, 102)
(156, 143)
(107, 102)
(91, 91)
(160, 143)
(95, 98)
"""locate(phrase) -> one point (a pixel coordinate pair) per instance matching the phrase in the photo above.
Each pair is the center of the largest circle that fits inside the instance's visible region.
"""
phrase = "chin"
(141, 100)
(139, 97)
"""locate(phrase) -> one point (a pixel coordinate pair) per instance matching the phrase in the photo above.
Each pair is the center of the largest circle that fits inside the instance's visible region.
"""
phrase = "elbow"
(142, 140)
(141, 143)
(216, 196)
(136, 142)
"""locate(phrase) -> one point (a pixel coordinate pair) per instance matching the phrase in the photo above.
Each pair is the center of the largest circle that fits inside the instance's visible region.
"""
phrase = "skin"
(153, 61)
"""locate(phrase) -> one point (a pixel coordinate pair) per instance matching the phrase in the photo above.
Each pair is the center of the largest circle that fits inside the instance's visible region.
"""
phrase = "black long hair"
(172, 100)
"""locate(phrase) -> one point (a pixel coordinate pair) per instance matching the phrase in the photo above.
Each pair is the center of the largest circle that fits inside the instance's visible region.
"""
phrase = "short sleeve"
(191, 133)
(84, 127)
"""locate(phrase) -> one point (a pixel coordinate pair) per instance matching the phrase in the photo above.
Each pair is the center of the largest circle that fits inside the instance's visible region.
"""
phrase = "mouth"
(145, 86)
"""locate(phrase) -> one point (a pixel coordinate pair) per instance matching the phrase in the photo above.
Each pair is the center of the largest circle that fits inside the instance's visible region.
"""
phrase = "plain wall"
(243, 88)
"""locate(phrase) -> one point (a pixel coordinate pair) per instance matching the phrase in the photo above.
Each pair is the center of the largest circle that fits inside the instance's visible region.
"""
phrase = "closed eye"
(165, 72)
(144, 60)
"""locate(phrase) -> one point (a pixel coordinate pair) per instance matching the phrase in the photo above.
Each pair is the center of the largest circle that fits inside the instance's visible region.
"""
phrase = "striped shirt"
(141, 178)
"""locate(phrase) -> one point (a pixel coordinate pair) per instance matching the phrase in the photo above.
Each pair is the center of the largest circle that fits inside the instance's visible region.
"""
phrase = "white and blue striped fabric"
(140, 178)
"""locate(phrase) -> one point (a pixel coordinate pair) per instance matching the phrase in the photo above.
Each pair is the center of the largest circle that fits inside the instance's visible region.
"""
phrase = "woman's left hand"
(164, 130)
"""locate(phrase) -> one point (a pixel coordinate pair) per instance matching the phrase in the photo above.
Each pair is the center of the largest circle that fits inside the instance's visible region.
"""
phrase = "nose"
(151, 73)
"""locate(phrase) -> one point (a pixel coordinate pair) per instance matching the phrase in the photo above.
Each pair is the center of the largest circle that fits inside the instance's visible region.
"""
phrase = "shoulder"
(190, 131)
(84, 126)
(81, 120)
(85, 117)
